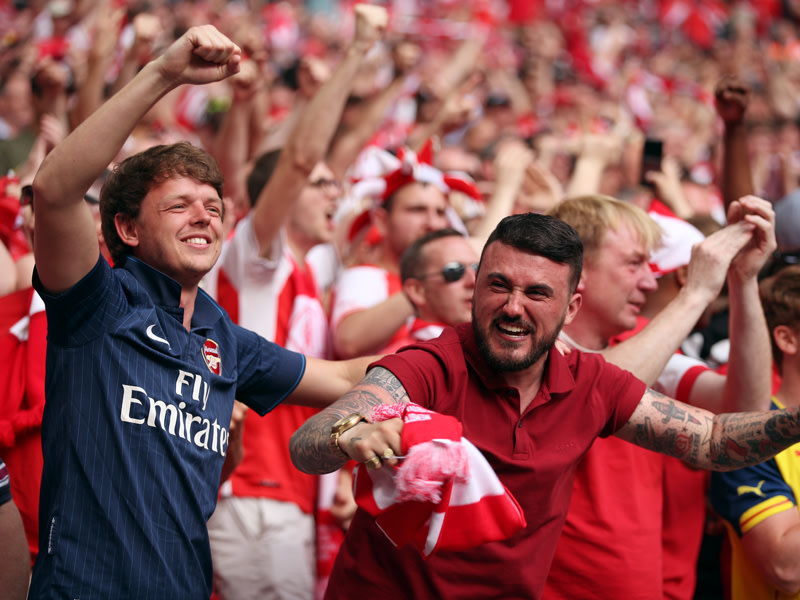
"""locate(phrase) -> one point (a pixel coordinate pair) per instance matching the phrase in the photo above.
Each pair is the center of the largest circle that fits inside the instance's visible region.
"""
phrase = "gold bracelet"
(339, 428)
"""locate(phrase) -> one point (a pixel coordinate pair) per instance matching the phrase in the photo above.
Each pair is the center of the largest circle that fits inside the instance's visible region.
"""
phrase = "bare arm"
(510, 164)
(309, 445)
(66, 245)
(309, 140)
(91, 92)
(773, 546)
(324, 381)
(14, 555)
(370, 329)
(707, 441)
(8, 271)
(732, 96)
(232, 143)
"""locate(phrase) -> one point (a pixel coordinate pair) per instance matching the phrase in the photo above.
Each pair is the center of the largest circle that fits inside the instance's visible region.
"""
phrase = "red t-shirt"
(534, 454)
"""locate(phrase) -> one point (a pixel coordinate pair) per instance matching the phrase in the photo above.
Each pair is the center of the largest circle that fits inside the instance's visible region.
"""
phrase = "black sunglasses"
(452, 271)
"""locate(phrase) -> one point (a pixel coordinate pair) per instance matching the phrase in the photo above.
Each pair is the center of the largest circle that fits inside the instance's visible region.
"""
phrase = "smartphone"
(652, 153)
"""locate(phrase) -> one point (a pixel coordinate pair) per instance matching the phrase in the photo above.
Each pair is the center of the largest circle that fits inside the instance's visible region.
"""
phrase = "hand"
(711, 258)
(761, 216)
(146, 29)
(667, 183)
(247, 82)
(201, 55)
(367, 441)
(371, 21)
(106, 30)
(511, 163)
(731, 97)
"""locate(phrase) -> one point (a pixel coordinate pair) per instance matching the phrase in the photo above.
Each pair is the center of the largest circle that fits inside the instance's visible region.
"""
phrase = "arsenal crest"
(211, 356)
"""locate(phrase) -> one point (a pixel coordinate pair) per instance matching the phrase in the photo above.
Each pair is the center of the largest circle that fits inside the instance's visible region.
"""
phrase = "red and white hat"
(675, 249)
(379, 174)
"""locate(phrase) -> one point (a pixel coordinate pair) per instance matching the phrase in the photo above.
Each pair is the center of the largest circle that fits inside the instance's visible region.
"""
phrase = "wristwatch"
(340, 427)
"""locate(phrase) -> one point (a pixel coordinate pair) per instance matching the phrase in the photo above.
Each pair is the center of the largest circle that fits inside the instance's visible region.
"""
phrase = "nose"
(436, 220)
(513, 305)
(648, 281)
(470, 276)
(200, 213)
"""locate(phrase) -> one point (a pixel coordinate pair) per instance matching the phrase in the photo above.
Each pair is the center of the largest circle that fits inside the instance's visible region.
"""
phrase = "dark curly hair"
(127, 185)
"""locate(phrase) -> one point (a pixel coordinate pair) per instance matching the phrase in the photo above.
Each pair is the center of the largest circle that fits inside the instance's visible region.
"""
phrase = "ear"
(414, 290)
(380, 219)
(681, 275)
(581, 284)
(786, 339)
(573, 307)
(126, 229)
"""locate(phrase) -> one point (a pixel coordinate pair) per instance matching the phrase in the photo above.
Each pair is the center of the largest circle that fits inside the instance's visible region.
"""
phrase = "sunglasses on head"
(452, 271)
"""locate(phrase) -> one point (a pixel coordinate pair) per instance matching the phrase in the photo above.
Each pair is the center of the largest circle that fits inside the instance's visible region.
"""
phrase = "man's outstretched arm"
(704, 440)
(65, 242)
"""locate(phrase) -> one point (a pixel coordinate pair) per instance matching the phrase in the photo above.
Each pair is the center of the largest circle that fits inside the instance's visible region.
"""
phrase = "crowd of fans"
(485, 107)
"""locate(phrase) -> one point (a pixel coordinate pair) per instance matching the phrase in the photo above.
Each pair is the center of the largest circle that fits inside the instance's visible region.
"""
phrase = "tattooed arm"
(309, 446)
(702, 439)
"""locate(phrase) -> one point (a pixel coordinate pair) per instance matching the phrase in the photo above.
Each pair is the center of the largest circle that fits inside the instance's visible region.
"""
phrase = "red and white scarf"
(444, 495)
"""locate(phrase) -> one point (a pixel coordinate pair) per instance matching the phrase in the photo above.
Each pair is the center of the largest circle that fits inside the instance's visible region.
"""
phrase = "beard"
(503, 363)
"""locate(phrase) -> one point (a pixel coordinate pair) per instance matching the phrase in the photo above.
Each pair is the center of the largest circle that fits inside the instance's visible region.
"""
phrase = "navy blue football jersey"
(135, 432)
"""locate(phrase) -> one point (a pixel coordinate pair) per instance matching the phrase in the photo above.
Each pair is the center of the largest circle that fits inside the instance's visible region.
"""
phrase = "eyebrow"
(527, 289)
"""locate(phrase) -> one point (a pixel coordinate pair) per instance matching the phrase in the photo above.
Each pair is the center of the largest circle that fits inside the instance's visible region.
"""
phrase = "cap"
(675, 250)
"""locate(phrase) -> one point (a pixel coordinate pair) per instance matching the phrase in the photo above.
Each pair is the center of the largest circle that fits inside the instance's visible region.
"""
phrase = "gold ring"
(388, 453)
(373, 463)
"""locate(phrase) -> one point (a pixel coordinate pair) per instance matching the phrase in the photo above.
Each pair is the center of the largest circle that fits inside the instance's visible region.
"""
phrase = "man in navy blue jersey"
(142, 366)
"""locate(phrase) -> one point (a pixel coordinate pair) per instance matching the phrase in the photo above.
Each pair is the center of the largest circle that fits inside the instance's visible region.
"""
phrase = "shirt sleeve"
(746, 497)
(268, 373)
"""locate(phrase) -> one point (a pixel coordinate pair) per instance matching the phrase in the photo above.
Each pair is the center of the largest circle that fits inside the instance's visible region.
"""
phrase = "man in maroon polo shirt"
(532, 412)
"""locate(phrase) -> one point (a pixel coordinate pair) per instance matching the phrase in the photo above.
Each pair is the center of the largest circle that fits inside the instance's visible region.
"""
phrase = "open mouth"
(512, 330)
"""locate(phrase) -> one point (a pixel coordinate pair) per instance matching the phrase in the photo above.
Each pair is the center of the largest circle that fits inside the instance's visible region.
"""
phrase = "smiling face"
(521, 301)
(178, 230)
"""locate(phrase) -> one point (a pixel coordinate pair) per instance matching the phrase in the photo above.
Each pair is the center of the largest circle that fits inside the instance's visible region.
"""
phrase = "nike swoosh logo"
(154, 337)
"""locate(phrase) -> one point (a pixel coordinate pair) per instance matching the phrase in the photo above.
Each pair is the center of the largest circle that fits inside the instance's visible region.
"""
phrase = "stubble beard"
(505, 364)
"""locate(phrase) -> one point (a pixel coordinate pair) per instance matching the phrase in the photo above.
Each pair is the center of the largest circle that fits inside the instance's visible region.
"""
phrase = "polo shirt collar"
(557, 379)
(166, 292)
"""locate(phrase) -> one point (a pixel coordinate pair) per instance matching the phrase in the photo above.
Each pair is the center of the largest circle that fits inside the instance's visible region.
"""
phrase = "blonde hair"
(593, 215)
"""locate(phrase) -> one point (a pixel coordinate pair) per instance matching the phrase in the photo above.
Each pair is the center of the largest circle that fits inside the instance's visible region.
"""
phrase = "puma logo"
(744, 489)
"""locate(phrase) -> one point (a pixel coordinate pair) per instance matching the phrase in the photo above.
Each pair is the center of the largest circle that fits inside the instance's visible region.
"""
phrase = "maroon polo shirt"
(534, 454)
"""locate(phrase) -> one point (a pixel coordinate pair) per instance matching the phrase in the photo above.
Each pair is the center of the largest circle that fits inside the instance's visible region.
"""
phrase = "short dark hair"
(780, 299)
(413, 261)
(127, 185)
(542, 235)
(261, 173)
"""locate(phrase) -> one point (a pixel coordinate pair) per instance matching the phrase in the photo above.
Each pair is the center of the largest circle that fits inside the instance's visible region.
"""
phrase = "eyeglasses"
(452, 271)
(325, 183)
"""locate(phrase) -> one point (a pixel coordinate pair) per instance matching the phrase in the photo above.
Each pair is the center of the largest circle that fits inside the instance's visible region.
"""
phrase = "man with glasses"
(265, 515)
(438, 275)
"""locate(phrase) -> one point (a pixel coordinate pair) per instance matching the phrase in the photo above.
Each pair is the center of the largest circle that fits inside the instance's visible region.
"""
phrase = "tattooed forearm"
(309, 445)
(752, 437)
(708, 441)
